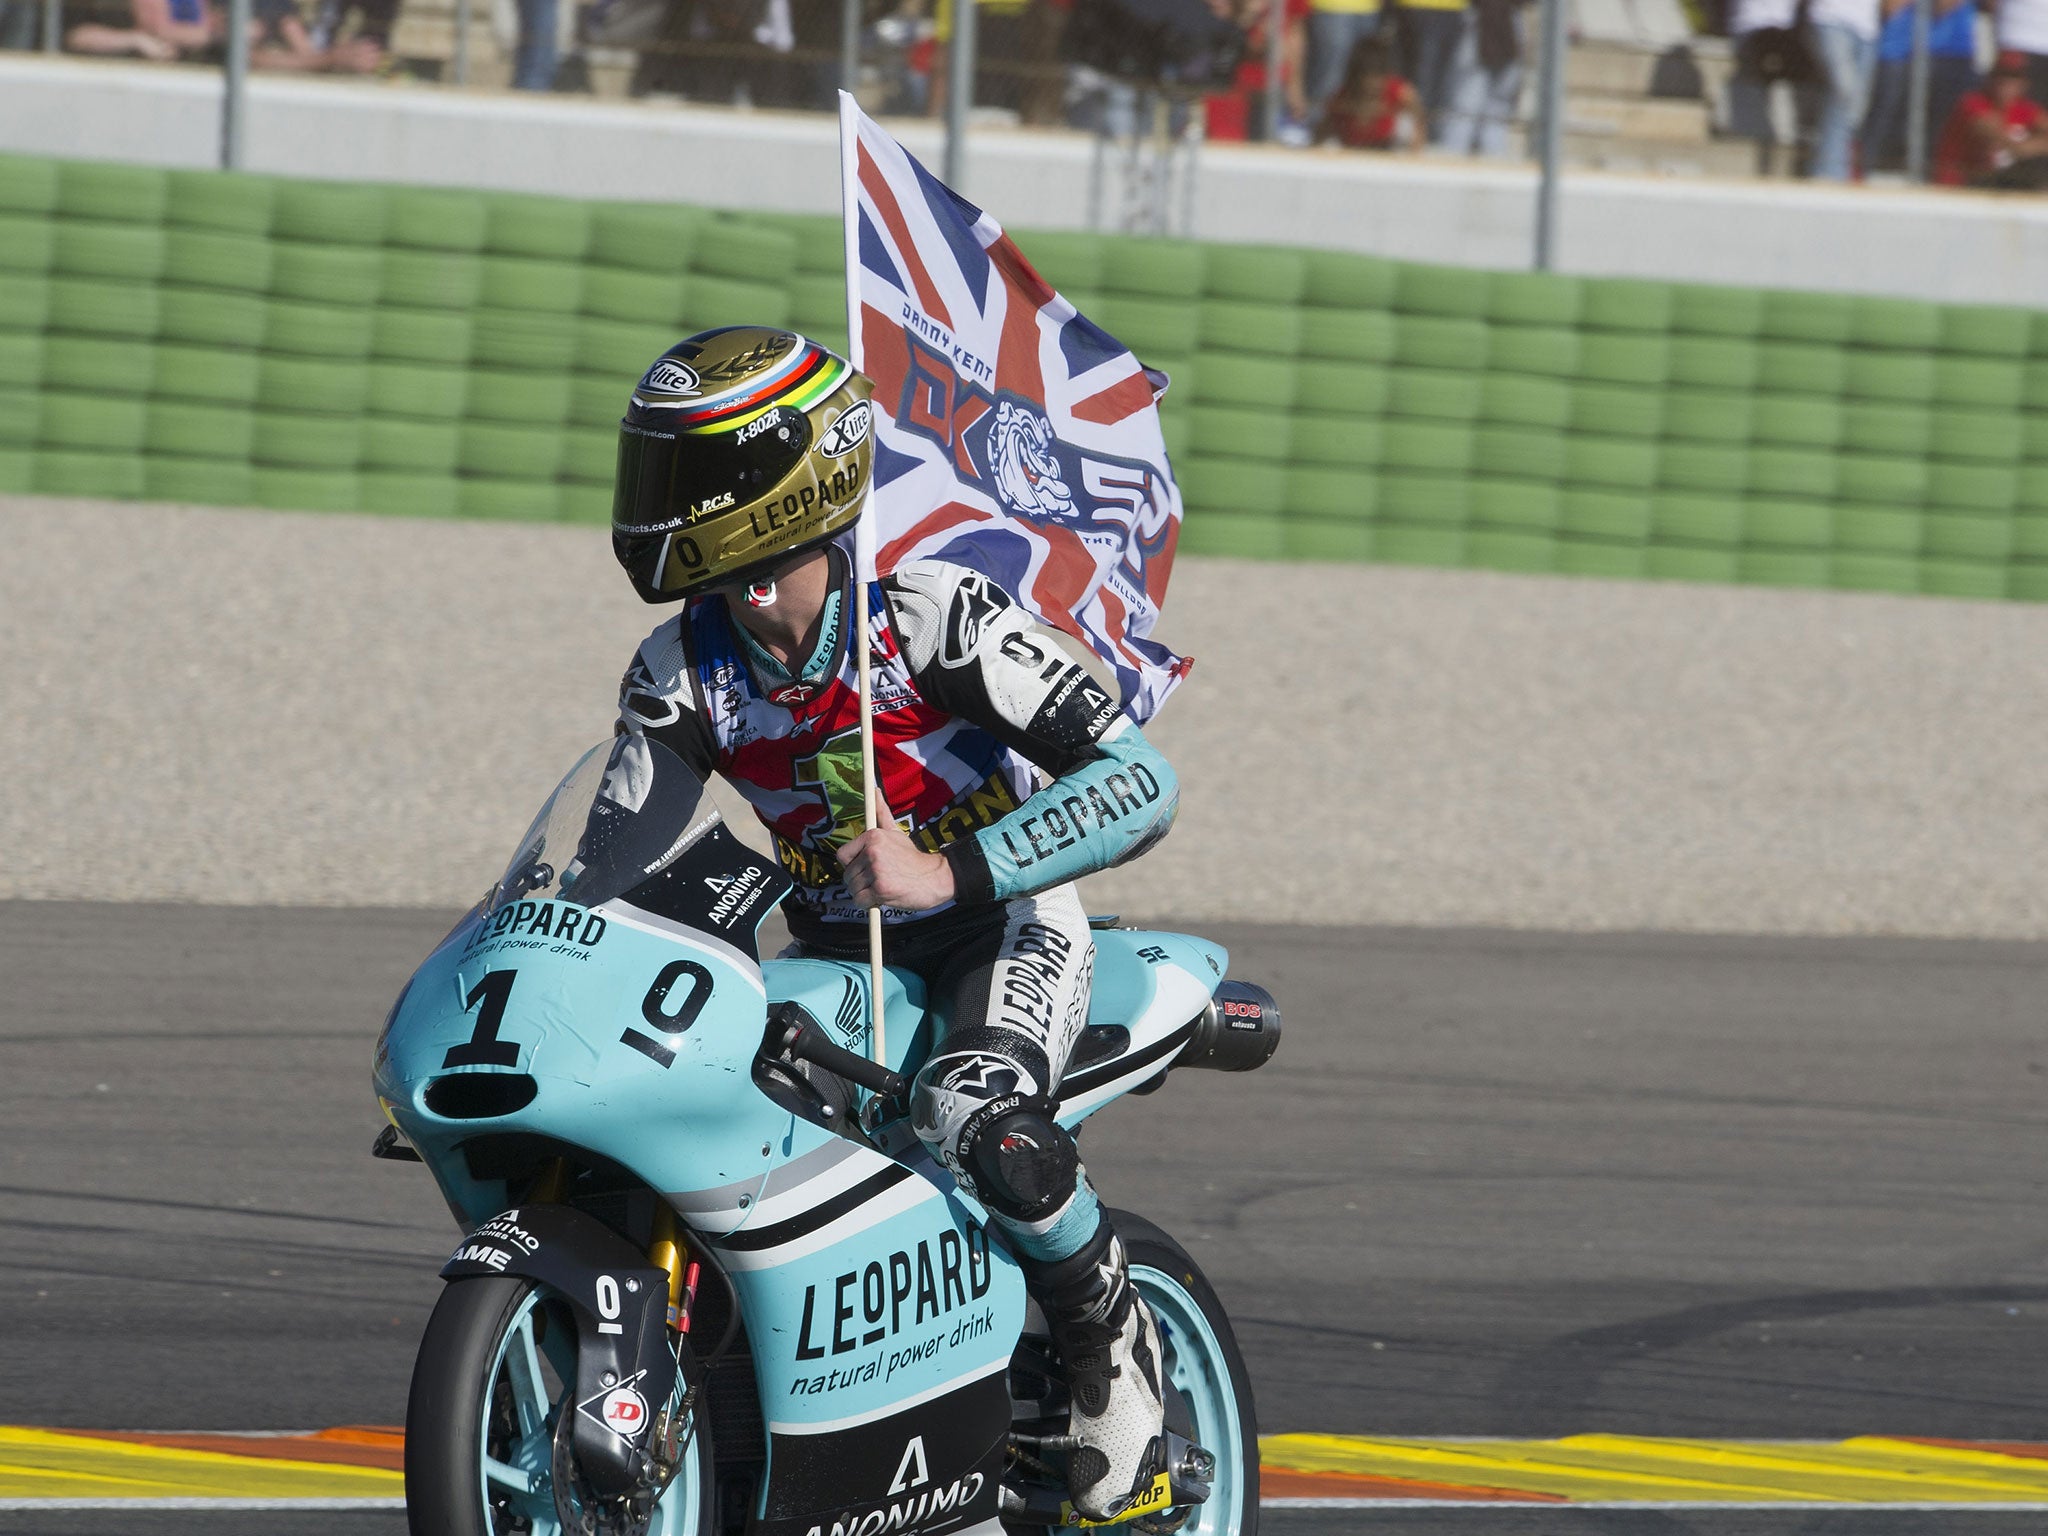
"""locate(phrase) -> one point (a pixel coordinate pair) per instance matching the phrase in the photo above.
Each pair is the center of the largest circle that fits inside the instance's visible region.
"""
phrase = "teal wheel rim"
(1200, 1372)
(519, 1481)
(538, 1382)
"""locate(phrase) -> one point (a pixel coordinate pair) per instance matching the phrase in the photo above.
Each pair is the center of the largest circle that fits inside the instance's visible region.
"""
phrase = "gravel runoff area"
(297, 708)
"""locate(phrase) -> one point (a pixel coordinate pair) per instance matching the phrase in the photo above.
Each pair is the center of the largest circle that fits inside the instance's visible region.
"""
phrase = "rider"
(744, 461)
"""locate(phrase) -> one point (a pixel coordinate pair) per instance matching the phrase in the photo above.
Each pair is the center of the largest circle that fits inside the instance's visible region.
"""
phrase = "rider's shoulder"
(936, 604)
(659, 673)
(941, 580)
(665, 650)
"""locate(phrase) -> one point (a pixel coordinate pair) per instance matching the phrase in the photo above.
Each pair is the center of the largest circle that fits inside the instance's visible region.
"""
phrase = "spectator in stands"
(904, 42)
(1843, 34)
(1232, 114)
(170, 29)
(1486, 81)
(2023, 28)
(365, 25)
(280, 39)
(1335, 29)
(729, 52)
(1770, 50)
(537, 55)
(149, 29)
(1996, 137)
(1951, 70)
(1372, 107)
(1429, 31)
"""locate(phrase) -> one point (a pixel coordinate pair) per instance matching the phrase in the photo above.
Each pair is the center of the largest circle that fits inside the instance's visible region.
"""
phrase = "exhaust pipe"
(1238, 1031)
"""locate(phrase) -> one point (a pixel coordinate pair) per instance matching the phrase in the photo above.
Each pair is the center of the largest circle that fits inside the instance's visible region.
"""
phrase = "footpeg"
(1187, 1478)
(1189, 1468)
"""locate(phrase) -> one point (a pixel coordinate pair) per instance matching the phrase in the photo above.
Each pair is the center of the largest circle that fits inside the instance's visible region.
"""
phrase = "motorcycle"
(710, 1281)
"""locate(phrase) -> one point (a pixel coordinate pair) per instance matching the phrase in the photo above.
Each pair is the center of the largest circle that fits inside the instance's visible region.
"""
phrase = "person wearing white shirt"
(2023, 28)
(1843, 36)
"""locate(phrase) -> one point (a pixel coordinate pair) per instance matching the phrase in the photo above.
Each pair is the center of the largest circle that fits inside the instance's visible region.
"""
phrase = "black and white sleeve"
(976, 654)
(657, 699)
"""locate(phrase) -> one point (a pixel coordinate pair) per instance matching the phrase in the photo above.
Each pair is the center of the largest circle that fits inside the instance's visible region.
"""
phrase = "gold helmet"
(741, 447)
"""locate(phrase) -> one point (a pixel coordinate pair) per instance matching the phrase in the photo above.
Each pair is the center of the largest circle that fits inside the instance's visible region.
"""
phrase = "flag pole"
(867, 774)
(863, 549)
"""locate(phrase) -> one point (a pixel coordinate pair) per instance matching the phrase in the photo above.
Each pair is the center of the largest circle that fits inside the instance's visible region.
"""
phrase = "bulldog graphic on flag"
(1012, 434)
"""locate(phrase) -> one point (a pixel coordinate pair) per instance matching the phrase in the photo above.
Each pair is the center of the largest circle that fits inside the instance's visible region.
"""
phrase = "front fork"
(666, 1252)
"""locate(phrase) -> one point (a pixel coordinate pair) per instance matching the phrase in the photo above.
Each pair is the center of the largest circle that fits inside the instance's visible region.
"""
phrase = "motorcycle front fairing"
(607, 995)
(622, 1026)
(605, 1002)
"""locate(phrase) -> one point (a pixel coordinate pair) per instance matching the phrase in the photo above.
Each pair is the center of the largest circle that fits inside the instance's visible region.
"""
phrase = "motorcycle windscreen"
(627, 810)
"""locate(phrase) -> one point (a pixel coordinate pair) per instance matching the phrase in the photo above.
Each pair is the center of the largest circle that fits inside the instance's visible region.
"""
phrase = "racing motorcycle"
(710, 1281)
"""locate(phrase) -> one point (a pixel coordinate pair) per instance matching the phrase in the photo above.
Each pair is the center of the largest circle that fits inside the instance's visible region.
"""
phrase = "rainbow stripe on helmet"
(808, 375)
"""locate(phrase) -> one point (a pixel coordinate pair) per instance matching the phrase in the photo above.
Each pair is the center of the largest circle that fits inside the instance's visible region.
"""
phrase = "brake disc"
(582, 1511)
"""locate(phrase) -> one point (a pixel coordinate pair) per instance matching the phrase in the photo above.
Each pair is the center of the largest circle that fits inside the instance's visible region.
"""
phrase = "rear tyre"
(495, 1373)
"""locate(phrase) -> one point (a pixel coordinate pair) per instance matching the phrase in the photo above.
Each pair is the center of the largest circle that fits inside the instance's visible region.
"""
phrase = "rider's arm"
(657, 698)
(976, 654)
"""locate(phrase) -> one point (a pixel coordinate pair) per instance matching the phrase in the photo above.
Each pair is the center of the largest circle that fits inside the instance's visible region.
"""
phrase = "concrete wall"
(1924, 244)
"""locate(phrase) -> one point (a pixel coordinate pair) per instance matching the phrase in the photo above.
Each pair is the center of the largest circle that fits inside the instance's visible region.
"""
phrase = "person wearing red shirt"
(1231, 114)
(1373, 108)
(1997, 136)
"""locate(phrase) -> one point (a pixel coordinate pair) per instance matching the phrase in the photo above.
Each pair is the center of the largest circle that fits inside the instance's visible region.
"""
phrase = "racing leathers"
(995, 750)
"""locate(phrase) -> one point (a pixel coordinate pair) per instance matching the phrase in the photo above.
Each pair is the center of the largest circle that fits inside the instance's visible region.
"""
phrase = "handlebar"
(802, 1039)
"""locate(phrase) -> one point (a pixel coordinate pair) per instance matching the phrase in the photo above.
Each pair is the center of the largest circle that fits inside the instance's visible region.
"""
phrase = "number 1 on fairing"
(484, 1048)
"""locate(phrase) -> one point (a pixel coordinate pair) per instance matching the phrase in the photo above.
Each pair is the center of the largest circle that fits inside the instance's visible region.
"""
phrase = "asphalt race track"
(1495, 1184)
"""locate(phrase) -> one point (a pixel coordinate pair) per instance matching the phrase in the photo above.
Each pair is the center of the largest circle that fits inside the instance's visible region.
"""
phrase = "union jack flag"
(1012, 434)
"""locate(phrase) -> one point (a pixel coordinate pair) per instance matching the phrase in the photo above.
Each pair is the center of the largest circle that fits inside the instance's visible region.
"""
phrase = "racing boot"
(1109, 1345)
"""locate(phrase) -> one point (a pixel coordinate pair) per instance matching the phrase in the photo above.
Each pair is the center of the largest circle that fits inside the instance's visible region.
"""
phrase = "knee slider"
(1023, 1164)
(954, 1091)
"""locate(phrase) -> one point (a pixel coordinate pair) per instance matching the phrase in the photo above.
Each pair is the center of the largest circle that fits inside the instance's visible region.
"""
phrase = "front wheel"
(1209, 1392)
(495, 1375)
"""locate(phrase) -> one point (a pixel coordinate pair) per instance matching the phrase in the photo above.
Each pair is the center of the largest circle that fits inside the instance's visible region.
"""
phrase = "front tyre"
(1209, 1392)
(494, 1378)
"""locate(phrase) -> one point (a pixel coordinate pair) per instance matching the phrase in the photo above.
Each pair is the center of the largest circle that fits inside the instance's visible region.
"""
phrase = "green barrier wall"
(195, 336)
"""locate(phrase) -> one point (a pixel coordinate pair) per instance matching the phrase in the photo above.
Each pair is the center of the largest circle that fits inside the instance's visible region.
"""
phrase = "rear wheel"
(492, 1384)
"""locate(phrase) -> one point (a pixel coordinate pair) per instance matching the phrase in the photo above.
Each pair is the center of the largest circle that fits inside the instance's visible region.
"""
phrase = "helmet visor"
(670, 479)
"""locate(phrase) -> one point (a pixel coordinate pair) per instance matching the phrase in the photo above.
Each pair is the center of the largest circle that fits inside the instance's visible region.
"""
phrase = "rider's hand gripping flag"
(1012, 434)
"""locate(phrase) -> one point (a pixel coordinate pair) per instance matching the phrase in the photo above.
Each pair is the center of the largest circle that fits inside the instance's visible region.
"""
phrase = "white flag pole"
(867, 769)
(863, 546)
